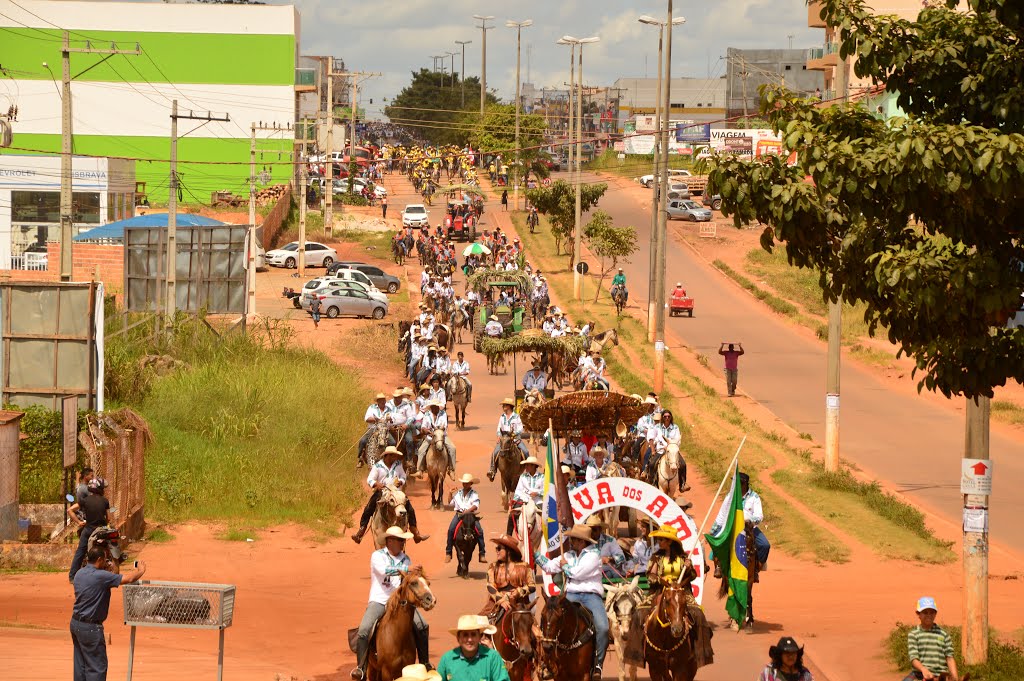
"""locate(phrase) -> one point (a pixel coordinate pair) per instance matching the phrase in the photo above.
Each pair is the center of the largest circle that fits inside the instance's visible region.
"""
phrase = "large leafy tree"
(433, 109)
(608, 242)
(497, 135)
(558, 202)
(918, 217)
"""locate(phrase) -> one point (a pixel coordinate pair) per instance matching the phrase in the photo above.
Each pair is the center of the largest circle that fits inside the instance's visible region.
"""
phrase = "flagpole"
(700, 532)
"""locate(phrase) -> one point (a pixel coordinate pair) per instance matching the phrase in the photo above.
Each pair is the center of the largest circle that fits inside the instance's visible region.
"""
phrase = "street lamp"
(577, 279)
(452, 55)
(462, 75)
(518, 25)
(483, 72)
(655, 243)
(436, 57)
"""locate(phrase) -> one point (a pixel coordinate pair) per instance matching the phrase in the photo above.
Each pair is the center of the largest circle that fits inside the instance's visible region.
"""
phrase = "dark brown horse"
(667, 636)
(509, 466)
(394, 646)
(514, 640)
(567, 639)
(465, 542)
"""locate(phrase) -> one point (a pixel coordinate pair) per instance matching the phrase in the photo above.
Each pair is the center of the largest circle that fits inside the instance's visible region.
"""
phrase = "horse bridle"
(512, 642)
(656, 615)
(573, 646)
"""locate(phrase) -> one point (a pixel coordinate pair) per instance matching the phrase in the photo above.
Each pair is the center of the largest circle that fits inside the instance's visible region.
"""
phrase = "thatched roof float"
(588, 411)
(485, 276)
(532, 340)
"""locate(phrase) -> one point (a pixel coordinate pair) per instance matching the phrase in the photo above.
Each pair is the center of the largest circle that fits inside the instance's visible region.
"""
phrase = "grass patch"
(872, 356)
(783, 307)
(37, 568)
(1008, 412)
(159, 535)
(1005, 659)
(375, 345)
(238, 534)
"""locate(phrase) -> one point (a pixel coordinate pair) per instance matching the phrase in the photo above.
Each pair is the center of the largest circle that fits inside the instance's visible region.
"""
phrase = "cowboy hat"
(508, 402)
(509, 543)
(418, 672)
(467, 478)
(567, 470)
(380, 396)
(597, 449)
(397, 393)
(424, 387)
(407, 391)
(786, 644)
(434, 403)
(468, 623)
(650, 400)
(432, 347)
(529, 461)
(621, 428)
(580, 532)
(594, 521)
(683, 502)
(489, 629)
(397, 532)
(493, 318)
(391, 449)
(665, 532)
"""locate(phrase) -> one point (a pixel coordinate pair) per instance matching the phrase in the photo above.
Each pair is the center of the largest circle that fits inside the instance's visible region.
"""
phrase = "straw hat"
(580, 532)
(397, 393)
(381, 396)
(666, 532)
(621, 428)
(650, 400)
(509, 402)
(407, 391)
(467, 478)
(434, 403)
(530, 460)
(489, 628)
(566, 470)
(597, 449)
(468, 623)
(594, 521)
(424, 387)
(397, 532)
(493, 318)
(390, 449)
(418, 672)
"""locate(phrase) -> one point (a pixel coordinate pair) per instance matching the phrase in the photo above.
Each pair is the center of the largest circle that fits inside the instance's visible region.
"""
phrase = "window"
(374, 271)
(805, 67)
(699, 105)
(789, 67)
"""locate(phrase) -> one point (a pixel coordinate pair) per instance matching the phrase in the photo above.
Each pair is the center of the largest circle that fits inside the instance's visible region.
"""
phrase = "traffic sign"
(582, 267)
(976, 476)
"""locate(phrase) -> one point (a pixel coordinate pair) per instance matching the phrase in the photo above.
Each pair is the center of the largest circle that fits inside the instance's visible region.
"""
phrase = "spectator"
(94, 507)
(929, 647)
(787, 662)
(504, 199)
(732, 359)
(82, 490)
(314, 309)
(384, 207)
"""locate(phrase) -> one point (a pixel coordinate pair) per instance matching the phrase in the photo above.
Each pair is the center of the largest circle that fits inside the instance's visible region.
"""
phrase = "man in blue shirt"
(471, 660)
(92, 602)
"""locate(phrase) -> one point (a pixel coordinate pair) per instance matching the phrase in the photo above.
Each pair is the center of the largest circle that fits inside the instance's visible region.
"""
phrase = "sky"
(396, 38)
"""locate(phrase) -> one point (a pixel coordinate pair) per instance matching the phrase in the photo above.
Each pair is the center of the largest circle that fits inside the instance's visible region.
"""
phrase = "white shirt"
(375, 413)
(419, 350)
(403, 413)
(557, 332)
(644, 424)
(576, 454)
(386, 574)
(440, 396)
(583, 570)
(494, 328)
(427, 331)
(381, 473)
(443, 364)
(510, 424)
(460, 368)
(593, 472)
(535, 380)
(641, 554)
(424, 278)
(530, 488)
(660, 436)
(429, 422)
(753, 513)
(597, 367)
(585, 364)
(473, 297)
(462, 502)
(548, 327)
(609, 448)
(608, 547)
(585, 331)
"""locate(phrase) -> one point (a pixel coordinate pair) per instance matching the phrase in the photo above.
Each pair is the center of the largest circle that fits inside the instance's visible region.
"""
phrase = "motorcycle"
(295, 296)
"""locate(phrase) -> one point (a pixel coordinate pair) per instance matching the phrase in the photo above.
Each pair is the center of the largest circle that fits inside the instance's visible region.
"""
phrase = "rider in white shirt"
(575, 452)
(596, 371)
(387, 471)
(465, 500)
(531, 483)
(644, 424)
(432, 419)
(460, 367)
(548, 326)
(387, 567)
(416, 352)
(558, 332)
(443, 363)
(582, 567)
(509, 423)
(494, 329)
(403, 413)
(661, 435)
(378, 411)
(535, 378)
(437, 393)
(595, 463)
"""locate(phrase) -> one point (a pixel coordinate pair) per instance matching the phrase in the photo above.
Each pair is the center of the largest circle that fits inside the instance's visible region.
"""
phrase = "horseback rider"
(437, 392)
(460, 367)
(511, 578)
(535, 378)
(402, 413)
(644, 424)
(596, 371)
(387, 565)
(465, 500)
(753, 515)
(427, 364)
(664, 433)
(575, 453)
(582, 567)
(613, 560)
(377, 411)
(619, 281)
(416, 353)
(511, 425)
(494, 329)
(531, 483)
(435, 418)
(387, 471)
(549, 324)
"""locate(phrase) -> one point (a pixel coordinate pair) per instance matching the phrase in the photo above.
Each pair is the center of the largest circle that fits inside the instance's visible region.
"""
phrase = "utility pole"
(835, 327)
(577, 280)
(483, 69)
(974, 642)
(518, 25)
(353, 77)
(743, 76)
(302, 218)
(659, 278)
(170, 305)
(655, 234)
(67, 218)
(462, 75)
(329, 185)
(251, 255)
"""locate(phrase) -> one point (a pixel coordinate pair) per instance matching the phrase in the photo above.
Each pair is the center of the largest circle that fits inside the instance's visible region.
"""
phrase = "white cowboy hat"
(434, 403)
(469, 623)
(493, 318)
(467, 478)
(398, 393)
(650, 400)
(380, 396)
(390, 449)
(598, 450)
(566, 470)
(489, 628)
(418, 672)
(397, 532)
(530, 460)
(508, 401)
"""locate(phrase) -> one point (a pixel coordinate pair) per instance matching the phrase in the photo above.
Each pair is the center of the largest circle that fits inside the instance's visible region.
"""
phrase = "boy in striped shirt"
(930, 648)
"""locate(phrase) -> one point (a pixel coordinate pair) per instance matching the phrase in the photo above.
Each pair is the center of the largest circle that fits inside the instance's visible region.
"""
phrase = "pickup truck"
(714, 202)
(673, 175)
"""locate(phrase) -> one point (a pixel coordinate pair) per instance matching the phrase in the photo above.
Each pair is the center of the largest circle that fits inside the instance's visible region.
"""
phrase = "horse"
(460, 321)
(457, 391)
(405, 340)
(567, 639)
(437, 466)
(667, 646)
(615, 514)
(514, 640)
(540, 306)
(619, 297)
(390, 511)
(598, 341)
(495, 362)
(443, 337)
(510, 466)
(671, 471)
(465, 542)
(524, 519)
(556, 366)
(619, 601)
(394, 646)
(398, 250)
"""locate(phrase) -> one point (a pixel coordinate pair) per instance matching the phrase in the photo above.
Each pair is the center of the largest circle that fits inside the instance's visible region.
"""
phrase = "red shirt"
(732, 358)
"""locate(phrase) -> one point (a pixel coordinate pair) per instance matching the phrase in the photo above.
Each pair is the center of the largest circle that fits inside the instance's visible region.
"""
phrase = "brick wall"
(109, 259)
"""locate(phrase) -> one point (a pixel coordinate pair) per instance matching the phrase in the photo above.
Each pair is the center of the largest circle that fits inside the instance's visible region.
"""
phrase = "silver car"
(336, 302)
(688, 210)
(315, 286)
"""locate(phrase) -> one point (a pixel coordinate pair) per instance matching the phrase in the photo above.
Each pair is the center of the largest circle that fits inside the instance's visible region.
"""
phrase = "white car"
(415, 215)
(357, 186)
(648, 180)
(317, 255)
(315, 286)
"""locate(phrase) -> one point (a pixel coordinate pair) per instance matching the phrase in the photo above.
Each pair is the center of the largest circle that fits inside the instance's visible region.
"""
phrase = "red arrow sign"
(979, 469)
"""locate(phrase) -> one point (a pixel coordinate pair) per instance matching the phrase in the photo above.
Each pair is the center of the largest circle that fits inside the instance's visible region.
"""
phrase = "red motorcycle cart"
(680, 305)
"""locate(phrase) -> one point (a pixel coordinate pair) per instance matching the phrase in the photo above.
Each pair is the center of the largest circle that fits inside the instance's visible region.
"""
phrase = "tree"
(608, 242)
(497, 135)
(433, 109)
(558, 202)
(919, 217)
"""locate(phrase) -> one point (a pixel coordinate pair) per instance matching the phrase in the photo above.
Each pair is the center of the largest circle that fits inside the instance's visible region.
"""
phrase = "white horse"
(529, 524)
(671, 471)
(619, 602)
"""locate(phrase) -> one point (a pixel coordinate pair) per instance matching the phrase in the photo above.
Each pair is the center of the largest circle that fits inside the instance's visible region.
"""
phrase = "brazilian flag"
(728, 544)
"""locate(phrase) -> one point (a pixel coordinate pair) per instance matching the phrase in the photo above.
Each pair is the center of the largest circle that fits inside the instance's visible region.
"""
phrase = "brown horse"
(667, 636)
(567, 640)
(458, 392)
(460, 321)
(514, 640)
(509, 466)
(394, 646)
(437, 466)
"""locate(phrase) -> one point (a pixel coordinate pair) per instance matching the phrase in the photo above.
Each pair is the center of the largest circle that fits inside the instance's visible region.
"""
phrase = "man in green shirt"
(471, 660)
(930, 648)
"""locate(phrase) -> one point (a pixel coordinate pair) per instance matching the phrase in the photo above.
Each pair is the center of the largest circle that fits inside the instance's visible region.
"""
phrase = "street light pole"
(452, 55)
(462, 75)
(518, 25)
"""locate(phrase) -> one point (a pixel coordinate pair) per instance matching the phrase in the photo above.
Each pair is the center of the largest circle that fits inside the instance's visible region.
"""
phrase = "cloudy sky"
(396, 38)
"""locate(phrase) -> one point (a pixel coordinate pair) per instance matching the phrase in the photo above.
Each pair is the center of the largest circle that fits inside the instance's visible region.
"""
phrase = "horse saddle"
(353, 635)
(588, 621)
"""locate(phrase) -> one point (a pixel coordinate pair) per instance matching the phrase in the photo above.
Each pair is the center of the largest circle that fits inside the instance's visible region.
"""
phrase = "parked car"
(714, 202)
(349, 274)
(359, 183)
(317, 255)
(380, 278)
(415, 215)
(337, 302)
(688, 210)
(317, 285)
(648, 180)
